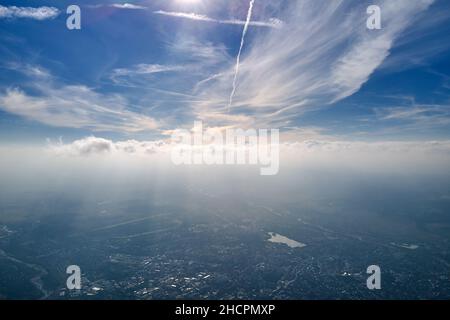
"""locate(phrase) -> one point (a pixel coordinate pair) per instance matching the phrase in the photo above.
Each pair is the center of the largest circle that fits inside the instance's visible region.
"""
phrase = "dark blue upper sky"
(139, 69)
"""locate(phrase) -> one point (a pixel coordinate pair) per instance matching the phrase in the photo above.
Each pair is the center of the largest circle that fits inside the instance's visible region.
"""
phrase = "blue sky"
(141, 69)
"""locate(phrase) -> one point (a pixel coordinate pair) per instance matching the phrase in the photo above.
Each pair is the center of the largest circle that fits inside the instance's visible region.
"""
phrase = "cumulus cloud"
(39, 13)
(91, 146)
(272, 23)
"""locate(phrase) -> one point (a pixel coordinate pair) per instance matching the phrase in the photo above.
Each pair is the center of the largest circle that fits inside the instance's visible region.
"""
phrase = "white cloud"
(201, 53)
(386, 156)
(118, 75)
(238, 58)
(364, 156)
(40, 13)
(76, 107)
(193, 60)
(415, 113)
(128, 6)
(315, 145)
(29, 70)
(323, 54)
(91, 146)
(371, 148)
(272, 23)
(416, 116)
(125, 6)
(71, 106)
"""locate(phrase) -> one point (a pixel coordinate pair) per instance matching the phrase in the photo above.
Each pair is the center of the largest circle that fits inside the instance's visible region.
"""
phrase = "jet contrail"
(238, 59)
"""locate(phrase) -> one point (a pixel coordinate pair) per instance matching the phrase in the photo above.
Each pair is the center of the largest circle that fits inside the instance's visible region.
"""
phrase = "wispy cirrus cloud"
(119, 75)
(39, 13)
(417, 115)
(324, 54)
(72, 106)
(190, 63)
(126, 6)
(201, 53)
(272, 23)
(76, 107)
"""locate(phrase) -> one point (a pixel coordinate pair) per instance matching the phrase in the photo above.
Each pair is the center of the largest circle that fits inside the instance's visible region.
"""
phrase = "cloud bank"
(99, 146)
